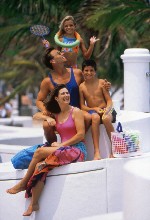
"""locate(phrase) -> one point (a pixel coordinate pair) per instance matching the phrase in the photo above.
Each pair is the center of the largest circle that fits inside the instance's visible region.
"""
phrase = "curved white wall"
(72, 191)
(137, 190)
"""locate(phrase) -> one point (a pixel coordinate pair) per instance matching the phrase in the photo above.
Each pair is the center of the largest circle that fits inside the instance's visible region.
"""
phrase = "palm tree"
(119, 25)
(21, 52)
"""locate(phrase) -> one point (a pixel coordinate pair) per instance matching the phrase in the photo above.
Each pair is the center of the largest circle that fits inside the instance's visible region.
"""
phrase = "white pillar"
(136, 79)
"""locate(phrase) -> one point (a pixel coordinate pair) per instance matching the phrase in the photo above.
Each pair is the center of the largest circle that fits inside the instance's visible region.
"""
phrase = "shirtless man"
(98, 103)
(72, 78)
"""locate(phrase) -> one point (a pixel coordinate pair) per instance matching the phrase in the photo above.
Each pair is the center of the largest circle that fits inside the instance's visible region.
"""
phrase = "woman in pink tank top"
(68, 121)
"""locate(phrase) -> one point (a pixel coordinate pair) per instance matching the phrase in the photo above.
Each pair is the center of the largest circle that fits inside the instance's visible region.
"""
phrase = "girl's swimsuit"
(75, 49)
(67, 40)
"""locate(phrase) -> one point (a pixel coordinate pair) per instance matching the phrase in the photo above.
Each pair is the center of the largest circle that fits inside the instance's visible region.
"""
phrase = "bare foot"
(31, 209)
(97, 156)
(111, 156)
(16, 189)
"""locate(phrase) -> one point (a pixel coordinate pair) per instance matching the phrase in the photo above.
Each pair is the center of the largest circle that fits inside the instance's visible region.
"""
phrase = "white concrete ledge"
(110, 216)
(73, 191)
(70, 192)
(8, 172)
(8, 151)
(130, 120)
(24, 121)
(20, 135)
(77, 190)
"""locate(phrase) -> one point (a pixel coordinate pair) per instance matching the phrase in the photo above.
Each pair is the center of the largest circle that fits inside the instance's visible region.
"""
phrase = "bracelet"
(61, 44)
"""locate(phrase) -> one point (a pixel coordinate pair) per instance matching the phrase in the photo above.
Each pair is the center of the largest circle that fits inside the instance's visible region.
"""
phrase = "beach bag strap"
(119, 127)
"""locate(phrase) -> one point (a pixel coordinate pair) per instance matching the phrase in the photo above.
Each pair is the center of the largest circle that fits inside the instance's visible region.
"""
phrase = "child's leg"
(36, 192)
(87, 120)
(39, 155)
(95, 135)
(109, 128)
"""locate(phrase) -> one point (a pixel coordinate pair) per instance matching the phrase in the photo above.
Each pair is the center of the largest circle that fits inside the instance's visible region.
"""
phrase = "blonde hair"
(61, 26)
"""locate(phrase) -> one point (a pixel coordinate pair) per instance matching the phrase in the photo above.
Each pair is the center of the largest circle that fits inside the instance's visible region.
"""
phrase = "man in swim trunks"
(98, 104)
(72, 78)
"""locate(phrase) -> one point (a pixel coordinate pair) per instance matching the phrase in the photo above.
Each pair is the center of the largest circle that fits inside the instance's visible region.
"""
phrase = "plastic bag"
(125, 143)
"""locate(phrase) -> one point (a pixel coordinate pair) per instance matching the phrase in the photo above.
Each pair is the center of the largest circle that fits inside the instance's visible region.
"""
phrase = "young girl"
(67, 35)
(69, 123)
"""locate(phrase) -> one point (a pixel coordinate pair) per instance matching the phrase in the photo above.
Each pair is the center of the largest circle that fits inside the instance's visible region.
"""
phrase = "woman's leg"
(95, 135)
(36, 192)
(39, 155)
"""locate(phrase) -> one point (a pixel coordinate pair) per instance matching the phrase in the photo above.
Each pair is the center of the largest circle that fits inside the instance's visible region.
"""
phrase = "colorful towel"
(62, 156)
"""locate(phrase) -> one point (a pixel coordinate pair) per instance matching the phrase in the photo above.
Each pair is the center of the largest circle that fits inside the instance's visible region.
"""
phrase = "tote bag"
(23, 158)
(125, 143)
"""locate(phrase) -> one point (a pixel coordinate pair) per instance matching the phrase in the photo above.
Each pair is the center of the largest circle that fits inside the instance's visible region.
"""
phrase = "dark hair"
(47, 57)
(51, 104)
(89, 63)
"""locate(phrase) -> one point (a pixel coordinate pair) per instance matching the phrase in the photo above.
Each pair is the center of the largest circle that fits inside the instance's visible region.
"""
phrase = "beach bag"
(125, 143)
(23, 158)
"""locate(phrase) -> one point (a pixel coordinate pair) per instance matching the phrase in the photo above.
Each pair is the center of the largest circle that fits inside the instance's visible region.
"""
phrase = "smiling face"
(58, 57)
(63, 96)
(69, 27)
(89, 72)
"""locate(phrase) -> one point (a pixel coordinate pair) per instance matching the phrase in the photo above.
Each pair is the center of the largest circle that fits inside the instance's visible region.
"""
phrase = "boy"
(98, 104)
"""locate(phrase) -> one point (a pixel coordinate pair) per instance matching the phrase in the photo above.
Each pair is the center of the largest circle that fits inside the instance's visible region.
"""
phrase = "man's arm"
(78, 76)
(40, 116)
(42, 95)
(108, 101)
(107, 85)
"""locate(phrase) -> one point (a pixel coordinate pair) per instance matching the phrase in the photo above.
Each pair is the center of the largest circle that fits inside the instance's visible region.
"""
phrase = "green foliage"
(119, 24)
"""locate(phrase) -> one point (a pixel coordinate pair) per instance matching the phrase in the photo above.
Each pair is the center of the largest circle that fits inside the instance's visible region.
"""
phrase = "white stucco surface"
(130, 120)
(73, 191)
(24, 121)
(26, 136)
(137, 190)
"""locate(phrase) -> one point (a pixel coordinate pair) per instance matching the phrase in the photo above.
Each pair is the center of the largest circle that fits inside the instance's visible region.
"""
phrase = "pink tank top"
(66, 129)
